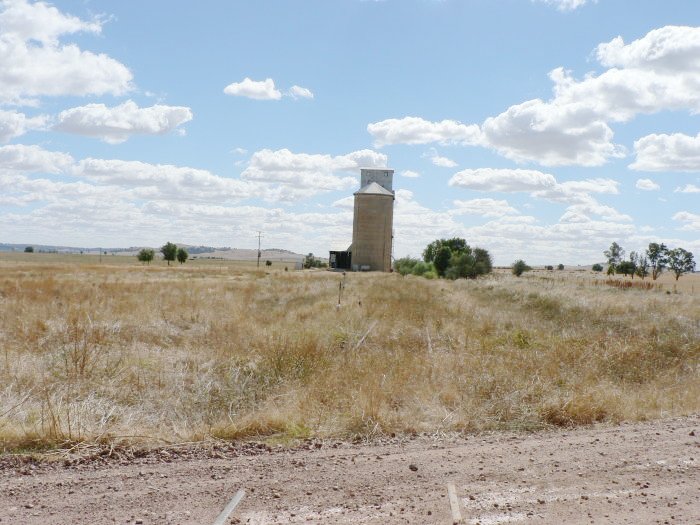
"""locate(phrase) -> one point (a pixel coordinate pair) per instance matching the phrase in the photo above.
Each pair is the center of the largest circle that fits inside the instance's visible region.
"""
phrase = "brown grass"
(125, 353)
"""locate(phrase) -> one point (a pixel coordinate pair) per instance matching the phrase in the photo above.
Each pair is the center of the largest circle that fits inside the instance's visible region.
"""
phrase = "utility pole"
(259, 237)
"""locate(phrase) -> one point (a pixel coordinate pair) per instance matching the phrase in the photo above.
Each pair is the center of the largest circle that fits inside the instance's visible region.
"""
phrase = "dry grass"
(94, 353)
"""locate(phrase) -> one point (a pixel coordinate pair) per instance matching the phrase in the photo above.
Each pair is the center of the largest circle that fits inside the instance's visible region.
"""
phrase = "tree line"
(653, 261)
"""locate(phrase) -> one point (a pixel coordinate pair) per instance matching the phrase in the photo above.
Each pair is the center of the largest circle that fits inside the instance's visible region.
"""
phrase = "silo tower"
(373, 221)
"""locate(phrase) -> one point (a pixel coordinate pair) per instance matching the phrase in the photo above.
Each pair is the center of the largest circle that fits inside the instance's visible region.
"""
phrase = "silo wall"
(372, 232)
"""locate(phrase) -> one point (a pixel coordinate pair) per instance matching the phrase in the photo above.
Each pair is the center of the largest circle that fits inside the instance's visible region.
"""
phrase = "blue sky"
(537, 129)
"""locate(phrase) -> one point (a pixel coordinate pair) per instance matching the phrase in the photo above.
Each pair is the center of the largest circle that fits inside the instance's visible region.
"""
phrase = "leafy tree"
(658, 258)
(680, 261)
(642, 266)
(313, 262)
(29, 249)
(405, 265)
(560, 266)
(442, 260)
(182, 255)
(633, 262)
(597, 267)
(169, 251)
(519, 267)
(626, 268)
(146, 255)
(614, 255)
(421, 268)
(462, 265)
(456, 245)
(268, 263)
(549, 267)
(483, 262)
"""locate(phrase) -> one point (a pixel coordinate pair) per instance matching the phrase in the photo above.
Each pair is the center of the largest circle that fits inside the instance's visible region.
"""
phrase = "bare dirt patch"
(628, 473)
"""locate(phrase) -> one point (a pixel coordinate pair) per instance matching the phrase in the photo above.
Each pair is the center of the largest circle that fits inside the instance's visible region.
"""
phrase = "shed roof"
(374, 189)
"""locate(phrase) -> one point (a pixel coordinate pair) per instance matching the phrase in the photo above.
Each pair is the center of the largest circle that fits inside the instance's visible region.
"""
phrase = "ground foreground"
(627, 473)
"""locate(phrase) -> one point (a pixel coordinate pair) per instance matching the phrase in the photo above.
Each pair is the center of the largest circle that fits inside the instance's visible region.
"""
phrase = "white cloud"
(659, 152)
(483, 208)
(658, 72)
(14, 124)
(35, 63)
(437, 160)
(565, 5)
(505, 180)
(300, 92)
(162, 181)
(415, 130)
(647, 185)
(688, 188)
(21, 158)
(299, 175)
(257, 90)
(116, 124)
(691, 220)
(409, 174)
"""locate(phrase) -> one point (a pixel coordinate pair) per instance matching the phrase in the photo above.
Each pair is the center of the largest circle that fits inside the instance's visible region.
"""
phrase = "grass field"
(119, 352)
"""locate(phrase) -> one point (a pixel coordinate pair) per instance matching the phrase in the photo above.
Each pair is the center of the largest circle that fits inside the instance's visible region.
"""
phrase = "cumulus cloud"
(14, 124)
(483, 208)
(300, 92)
(505, 180)
(21, 158)
(409, 174)
(647, 185)
(565, 5)
(116, 124)
(437, 160)
(688, 188)
(659, 152)
(691, 221)
(296, 175)
(255, 89)
(415, 130)
(660, 71)
(36, 64)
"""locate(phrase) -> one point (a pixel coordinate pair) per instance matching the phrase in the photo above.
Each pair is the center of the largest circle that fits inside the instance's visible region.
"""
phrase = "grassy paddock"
(127, 353)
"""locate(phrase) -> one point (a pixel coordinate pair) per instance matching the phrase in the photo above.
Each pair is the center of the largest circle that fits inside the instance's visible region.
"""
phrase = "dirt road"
(631, 473)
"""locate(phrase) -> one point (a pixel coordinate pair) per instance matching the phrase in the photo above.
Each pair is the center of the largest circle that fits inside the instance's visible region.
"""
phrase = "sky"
(541, 130)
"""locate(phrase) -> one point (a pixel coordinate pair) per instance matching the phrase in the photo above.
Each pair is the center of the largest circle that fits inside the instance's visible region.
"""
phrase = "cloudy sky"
(538, 129)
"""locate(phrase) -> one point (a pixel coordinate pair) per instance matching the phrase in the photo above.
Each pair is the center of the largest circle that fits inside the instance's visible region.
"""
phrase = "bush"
(405, 265)
(549, 267)
(560, 266)
(520, 267)
(29, 249)
(420, 268)
(597, 267)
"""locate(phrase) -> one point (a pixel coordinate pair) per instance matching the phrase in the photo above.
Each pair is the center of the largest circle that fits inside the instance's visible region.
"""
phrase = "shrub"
(519, 267)
(405, 265)
(597, 267)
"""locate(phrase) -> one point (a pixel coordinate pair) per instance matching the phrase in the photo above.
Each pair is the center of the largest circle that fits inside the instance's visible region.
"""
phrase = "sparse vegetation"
(233, 353)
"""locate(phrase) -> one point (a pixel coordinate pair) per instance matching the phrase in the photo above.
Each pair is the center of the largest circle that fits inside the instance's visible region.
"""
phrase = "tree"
(614, 255)
(658, 258)
(626, 268)
(680, 261)
(456, 245)
(633, 262)
(29, 249)
(442, 260)
(642, 266)
(404, 265)
(268, 263)
(146, 255)
(182, 255)
(597, 267)
(483, 262)
(519, 267)
(313, 262)
(549, 267)
(169, 251)
(560, 266)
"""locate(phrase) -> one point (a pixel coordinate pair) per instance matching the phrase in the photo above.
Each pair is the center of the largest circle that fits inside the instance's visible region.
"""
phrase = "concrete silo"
(372, 227)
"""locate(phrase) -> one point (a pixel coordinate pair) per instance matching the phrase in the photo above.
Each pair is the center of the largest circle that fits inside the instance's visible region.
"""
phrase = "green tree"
(145, 255)
(597, 267)
(442, 260)
(268, 263)
(560, 266)
(680, 261)
(625, 268)
(182, 255)
(404, 265)
(642, 266)
(29, 249)
(483, 262)
(614, 255)
(169, 251)
(456, 245)
(657, 254)
(519, 267)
